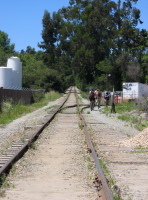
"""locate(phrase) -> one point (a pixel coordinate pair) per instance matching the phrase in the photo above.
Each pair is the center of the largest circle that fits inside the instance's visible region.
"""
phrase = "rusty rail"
(100, 182)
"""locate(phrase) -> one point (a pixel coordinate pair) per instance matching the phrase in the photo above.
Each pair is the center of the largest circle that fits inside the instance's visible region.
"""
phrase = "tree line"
(89, 43)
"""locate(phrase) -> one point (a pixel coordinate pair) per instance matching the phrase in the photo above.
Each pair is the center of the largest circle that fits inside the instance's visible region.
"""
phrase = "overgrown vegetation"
(9, 112)
(142, 103)
(138, 122)
(124, 110)
(126, 107)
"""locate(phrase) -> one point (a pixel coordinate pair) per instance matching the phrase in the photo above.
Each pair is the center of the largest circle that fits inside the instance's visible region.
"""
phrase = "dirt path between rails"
(114, 147)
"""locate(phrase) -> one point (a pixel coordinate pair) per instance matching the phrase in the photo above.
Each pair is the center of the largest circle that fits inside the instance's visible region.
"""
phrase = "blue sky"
(22, 19)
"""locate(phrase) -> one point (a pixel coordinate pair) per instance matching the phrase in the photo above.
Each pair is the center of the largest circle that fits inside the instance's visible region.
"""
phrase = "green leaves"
(5, 45)
(90, 38)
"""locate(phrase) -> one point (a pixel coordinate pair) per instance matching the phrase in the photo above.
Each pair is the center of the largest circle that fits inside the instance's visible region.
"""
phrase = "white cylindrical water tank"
(14, 79)
(15, 64)
(5, 77)
(20, 75)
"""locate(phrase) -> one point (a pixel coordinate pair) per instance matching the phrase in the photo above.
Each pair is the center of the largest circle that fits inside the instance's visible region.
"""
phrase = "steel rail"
(16, 151)
(104, 193)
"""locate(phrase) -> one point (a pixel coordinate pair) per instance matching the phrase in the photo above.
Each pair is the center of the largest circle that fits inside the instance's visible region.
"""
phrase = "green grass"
(104, 167)
(126, 107)
(3, 185)
(138, 122)
(52, 96)
(90, 166)
(105, 110)
(15, 112)
(88, 159)
(122, 109)
(11, 112)
(80, 125)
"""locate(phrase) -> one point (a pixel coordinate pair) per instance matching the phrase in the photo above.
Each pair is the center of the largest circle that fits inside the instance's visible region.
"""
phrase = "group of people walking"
(95, 97)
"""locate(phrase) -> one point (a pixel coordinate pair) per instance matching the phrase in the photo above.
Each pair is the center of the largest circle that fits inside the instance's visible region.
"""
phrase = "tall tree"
(91, 33)
(49, 38)
(5, 45)
(30, 50)
(6, 48)
(127, 39)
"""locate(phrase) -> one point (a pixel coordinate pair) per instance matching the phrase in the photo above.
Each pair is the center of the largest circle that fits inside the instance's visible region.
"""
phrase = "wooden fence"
(15, 96)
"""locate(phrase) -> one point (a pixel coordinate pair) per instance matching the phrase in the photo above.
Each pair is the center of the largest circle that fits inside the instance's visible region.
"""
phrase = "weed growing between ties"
(77, 111)
(13, 169)
(3, 185)
(90, 166)
(88, 159)
(33, 146)
(8, 141)
(140, 149)
(22, 140)
(80, 125)
(9, 111)
(111, 182)
(4, 182)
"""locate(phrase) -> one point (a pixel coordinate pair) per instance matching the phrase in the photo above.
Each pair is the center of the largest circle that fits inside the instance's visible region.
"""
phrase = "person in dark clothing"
(92, 98)
(98, 97)
(107, 97)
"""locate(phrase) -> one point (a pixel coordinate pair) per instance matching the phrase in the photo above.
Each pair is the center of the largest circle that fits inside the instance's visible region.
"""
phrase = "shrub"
(143, 103)
(6, 106)
(37, 96)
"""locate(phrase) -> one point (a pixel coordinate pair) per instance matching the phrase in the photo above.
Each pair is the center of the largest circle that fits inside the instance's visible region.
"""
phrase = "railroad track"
(20, 147)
